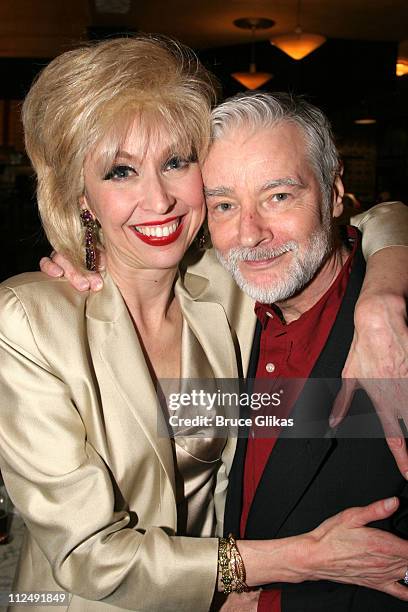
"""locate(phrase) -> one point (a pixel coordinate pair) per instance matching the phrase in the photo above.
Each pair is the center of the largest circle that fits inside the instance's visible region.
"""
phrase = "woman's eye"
(176, 163)
(119, 172)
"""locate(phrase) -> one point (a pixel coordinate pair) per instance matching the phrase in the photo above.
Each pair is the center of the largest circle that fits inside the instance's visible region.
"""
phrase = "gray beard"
(299, 272)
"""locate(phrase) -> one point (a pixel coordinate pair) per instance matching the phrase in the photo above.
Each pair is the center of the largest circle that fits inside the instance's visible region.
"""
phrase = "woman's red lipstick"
(159, 240)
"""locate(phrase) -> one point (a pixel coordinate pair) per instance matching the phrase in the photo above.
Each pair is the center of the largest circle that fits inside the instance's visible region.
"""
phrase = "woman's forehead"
(141, 136)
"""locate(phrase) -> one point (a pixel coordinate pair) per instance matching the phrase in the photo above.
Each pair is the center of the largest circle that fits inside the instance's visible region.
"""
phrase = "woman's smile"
(160, 233)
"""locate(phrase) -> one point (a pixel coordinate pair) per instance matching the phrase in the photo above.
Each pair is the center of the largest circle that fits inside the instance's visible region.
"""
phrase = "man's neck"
(294, 307)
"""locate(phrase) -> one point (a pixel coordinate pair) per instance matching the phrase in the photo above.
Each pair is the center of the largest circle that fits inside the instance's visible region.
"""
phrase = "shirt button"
(269, 314)
(270, 367)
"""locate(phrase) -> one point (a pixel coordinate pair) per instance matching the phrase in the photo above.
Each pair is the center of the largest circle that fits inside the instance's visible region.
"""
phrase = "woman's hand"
(341, 549)
(379, 351)
(57, 266)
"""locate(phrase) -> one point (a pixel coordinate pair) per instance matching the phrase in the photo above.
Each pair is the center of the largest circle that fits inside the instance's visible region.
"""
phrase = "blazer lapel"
(116, 352)
(207, 281)
(290, 468)
(223, 320)
(209, 323)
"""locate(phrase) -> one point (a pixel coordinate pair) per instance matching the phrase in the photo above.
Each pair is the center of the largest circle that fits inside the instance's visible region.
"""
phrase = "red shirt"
(288, 351)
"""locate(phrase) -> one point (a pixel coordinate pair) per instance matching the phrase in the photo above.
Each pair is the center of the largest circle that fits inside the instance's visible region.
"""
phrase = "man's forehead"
(261, 142)
(269, 157)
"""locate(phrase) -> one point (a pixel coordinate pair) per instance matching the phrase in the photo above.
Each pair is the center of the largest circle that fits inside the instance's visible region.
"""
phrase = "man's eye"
(119, 172)
(280, 197)
(176, 163)
(223, 207)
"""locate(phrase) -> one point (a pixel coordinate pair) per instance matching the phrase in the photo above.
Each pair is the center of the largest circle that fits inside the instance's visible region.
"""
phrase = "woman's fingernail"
(83, 284)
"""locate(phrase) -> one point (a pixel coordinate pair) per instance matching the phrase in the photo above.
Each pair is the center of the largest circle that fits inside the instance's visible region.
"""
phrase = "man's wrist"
(372, 306)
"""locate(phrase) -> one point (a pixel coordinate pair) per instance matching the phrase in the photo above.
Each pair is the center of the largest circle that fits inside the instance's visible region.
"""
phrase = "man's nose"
(157, 195)
(253, 229)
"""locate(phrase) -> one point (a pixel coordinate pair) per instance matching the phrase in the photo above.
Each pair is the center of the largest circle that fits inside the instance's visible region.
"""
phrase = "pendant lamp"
(298, 44)
(401, 68)
(253, 79)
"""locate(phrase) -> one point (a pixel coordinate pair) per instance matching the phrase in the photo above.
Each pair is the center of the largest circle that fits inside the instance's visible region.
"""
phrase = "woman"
(114, 131)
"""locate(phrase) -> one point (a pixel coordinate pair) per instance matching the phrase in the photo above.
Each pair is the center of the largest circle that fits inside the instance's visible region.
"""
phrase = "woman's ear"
(83, 205)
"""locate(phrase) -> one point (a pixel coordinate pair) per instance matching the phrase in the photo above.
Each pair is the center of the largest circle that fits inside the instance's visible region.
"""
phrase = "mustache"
(259, 253)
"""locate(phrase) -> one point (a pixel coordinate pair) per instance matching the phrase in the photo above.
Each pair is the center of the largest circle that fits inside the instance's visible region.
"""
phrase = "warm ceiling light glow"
(252, 79)
(365, 121)
(401, 67)
(298, 44)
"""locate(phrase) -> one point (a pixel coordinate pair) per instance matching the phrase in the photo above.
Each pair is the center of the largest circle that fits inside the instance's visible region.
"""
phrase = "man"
(273, 187)
(239, 306)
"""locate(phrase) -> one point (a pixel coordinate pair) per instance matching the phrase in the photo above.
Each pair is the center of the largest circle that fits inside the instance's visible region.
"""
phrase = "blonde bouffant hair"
(89, 97)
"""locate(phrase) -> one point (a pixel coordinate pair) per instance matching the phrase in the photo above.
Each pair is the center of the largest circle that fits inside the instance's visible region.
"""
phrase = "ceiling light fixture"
(298, 44)
(401, 68)
(253, 79)
(365, 113)
(365, 121)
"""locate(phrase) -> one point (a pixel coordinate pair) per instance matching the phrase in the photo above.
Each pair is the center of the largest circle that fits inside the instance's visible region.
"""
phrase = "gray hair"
(262, 110)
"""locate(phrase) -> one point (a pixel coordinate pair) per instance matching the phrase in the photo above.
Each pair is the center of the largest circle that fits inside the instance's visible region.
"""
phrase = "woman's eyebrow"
(125, 155)
(164, 153)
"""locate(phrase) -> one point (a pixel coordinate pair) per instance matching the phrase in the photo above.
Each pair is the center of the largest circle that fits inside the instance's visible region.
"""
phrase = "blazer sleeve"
(382, 226)
(62, 488)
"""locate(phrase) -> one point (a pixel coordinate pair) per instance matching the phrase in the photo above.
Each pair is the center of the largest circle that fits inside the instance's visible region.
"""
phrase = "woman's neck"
(156, 315)
(148, 293)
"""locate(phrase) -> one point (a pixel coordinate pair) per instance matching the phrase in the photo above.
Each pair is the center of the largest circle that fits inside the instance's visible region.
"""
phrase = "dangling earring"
(202, 239)
(91, 229)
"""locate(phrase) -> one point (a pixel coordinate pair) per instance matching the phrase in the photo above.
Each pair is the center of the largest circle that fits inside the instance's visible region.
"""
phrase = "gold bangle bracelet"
(240, 574)
(231, 566)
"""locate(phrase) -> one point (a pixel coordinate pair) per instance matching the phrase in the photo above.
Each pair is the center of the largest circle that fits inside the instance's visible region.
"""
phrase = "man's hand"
(346, 551)
(379, 350)
(341, 549)
(57, 266)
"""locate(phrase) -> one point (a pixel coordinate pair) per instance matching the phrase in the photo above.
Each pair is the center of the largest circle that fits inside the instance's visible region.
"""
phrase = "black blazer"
(307, 480)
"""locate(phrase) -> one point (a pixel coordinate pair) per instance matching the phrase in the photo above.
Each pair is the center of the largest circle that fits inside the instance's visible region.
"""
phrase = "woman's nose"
(157, 195)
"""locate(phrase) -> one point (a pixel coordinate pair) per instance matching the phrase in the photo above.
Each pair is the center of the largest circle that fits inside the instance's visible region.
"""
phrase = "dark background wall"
(347, 78)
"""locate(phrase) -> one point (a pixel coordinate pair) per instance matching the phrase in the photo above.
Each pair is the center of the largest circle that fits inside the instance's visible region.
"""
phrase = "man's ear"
(337, 195)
